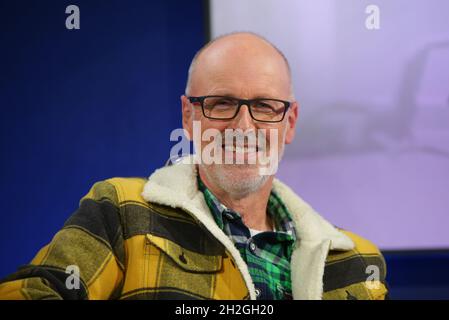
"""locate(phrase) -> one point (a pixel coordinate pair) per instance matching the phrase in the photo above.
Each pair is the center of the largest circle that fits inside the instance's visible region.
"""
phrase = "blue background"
(80, 106)
(84, 105)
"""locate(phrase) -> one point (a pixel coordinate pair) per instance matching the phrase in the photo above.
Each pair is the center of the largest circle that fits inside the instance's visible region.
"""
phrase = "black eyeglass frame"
(241, 102)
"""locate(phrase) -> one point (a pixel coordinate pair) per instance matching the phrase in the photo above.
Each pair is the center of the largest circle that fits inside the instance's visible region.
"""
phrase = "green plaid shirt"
(267, 253)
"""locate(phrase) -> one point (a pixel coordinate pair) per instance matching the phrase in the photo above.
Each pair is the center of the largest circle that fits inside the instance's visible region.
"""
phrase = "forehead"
(246, 69)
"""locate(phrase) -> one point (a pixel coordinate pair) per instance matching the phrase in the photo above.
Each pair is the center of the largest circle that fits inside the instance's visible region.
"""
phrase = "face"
(248, 71)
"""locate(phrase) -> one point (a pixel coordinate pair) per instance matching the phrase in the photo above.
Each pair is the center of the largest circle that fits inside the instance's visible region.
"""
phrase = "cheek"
(281, 138)
(277, 138)
(212, 127)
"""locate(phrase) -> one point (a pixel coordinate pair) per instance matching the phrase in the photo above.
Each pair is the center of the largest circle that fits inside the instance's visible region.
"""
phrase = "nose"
(243, 119)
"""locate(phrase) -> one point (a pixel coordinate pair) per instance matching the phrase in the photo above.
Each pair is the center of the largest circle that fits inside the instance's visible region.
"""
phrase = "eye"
(264, 106)
(224, 103)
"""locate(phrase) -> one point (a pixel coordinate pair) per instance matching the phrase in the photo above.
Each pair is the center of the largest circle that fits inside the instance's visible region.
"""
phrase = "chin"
(238, 171)
(237, 180)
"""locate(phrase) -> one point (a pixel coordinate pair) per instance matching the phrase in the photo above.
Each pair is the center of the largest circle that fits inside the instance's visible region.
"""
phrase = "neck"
(252, 207)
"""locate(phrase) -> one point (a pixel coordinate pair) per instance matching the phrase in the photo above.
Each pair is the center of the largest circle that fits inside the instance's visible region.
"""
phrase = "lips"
(240, 149)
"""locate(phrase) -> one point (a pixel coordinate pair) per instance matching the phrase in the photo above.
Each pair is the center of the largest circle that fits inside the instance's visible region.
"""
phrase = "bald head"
(241, 55)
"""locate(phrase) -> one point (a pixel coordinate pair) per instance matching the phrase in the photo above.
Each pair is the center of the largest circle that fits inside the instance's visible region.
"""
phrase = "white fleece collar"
(176, 186)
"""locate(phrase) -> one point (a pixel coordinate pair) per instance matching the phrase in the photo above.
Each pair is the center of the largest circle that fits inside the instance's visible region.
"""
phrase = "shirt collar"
(275, 208)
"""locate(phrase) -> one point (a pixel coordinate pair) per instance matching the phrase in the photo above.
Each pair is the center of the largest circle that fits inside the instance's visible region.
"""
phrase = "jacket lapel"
(316, 237)
(176, 186)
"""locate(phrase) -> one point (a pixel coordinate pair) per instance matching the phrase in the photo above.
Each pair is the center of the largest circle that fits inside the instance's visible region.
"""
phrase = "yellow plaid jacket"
(135, 238)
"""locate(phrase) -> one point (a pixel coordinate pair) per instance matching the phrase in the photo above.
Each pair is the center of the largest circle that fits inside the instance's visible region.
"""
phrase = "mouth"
(246, 149)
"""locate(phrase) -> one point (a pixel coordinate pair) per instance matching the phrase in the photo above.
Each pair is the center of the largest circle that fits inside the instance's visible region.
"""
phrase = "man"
(209, 230)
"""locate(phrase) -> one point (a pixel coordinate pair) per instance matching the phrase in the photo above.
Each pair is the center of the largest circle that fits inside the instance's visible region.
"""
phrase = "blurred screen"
(372, 79)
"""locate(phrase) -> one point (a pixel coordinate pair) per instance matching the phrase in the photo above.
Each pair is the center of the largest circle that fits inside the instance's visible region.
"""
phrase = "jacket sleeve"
(85, 258)
(374, 267)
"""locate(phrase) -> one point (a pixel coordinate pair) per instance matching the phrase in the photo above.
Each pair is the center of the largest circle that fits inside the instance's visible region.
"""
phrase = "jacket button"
(257, 292)
(280, 288)
(252, 246)
(182, 258)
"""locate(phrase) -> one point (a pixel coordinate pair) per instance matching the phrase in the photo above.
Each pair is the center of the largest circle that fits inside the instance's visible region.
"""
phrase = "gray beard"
(232, 182)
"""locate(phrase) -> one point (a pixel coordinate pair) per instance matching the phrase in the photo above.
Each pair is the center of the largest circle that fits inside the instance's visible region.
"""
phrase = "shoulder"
(119, 200)
(117, 190)
(364, 250)
(101, 212)
(362, 245)
(361, 270)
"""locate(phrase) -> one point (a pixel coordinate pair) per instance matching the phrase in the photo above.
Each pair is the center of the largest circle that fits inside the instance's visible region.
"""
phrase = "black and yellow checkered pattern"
(127, 248)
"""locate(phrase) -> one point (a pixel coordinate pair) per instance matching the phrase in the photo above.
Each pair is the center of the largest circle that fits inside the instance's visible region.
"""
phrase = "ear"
(292, 117)
(187, 115)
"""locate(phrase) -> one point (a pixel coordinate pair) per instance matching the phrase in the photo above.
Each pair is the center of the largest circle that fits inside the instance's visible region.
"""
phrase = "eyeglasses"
(227, 108)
